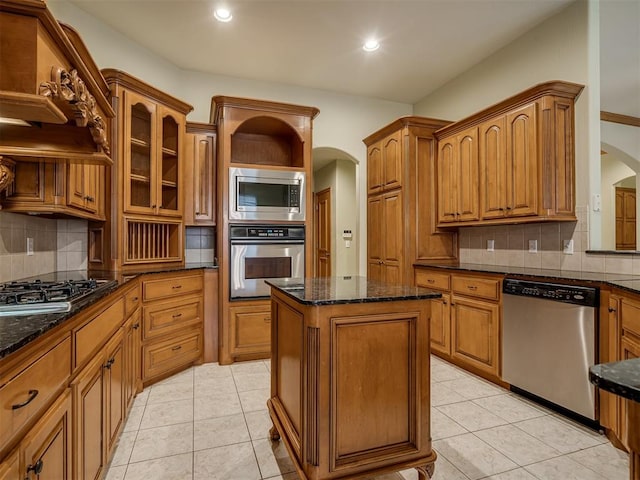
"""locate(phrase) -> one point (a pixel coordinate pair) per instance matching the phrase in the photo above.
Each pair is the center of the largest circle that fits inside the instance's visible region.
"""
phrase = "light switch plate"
(29, 246)
(491, 245)
(533, 246)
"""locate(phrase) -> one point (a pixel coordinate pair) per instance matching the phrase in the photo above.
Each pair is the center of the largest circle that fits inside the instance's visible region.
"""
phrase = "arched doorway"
(336, 212)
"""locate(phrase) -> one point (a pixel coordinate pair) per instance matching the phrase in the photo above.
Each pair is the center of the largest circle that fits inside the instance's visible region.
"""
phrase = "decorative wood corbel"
(6, 173)
(69, 87)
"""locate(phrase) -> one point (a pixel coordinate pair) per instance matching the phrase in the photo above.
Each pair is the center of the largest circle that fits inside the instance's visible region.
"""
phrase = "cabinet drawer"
(38, 382)
(162, 357)
(430, 279)
(166, 317)
(630, 315)
(476, 287)
(168, 287)
(131, 301)
(93, 334)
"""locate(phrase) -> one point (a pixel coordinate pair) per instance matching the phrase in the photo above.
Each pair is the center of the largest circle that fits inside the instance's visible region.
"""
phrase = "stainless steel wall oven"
(259, 252)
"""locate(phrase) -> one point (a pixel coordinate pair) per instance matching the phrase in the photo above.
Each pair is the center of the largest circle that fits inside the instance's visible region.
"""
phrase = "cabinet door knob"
(134, 299)
(509, 208)
(109, 363)
(36, 468)
(136, 326)
(444, 302)
(32, 394)
(611, 309)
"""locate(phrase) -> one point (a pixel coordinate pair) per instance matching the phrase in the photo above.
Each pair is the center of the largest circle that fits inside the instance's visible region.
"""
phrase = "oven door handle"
(267, 242)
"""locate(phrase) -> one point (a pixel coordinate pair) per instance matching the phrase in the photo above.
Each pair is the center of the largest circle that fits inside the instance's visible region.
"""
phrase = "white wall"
(343, 121)
(346, 218)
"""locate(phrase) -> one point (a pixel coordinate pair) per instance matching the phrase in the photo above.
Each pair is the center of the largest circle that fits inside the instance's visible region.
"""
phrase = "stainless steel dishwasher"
(548, 342)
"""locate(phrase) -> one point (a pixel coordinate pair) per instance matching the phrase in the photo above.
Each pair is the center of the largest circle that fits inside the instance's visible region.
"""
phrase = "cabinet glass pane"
(170, 149)
(140, 174)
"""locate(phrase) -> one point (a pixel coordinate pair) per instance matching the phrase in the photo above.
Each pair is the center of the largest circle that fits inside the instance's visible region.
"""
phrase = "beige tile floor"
(211, 423)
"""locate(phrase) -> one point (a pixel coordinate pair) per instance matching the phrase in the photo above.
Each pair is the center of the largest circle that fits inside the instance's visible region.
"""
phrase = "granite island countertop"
(18, 331)
(348, 289)
(620, 378)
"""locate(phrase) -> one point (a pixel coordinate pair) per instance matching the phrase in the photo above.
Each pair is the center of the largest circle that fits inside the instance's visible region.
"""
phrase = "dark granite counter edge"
(585, 278)
(359, 300)
(620, 378)
(17, 332)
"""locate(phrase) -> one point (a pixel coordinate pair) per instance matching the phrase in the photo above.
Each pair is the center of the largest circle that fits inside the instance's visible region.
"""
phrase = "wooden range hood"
(49, 81)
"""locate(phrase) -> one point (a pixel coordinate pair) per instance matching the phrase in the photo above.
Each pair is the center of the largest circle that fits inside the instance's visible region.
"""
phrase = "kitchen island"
(350, 376)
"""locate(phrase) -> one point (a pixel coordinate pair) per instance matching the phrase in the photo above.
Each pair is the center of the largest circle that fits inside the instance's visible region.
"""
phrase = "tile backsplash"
(511, 247)
(57, 245)
(200, 244)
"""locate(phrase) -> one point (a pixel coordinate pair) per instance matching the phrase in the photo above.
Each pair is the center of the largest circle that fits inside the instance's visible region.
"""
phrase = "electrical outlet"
(491, 245)
(567, 247)
(29, 246)
(533, 246)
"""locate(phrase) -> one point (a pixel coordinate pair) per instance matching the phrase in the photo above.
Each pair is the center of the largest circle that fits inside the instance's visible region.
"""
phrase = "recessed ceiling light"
(222, 15)
(371, 45)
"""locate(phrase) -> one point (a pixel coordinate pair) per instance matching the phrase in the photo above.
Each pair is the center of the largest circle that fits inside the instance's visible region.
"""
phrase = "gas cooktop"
(36, 296)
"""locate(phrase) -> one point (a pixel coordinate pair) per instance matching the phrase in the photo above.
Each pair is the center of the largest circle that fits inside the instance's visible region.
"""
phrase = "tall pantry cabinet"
(147, 179)
(401, 182)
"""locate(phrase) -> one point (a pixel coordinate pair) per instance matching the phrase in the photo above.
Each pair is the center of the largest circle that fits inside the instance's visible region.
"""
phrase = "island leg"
(426, 472)
(274, 434)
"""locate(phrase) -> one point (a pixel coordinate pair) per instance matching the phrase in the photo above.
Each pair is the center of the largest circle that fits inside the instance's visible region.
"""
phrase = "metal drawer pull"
(177, 315)
(32, 394)
(431, 280)
(37, 468)
(176, 286)
(472, 287)
(177, 347)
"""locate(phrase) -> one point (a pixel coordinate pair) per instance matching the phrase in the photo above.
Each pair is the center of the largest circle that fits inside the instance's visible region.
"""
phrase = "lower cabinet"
(99, 408)
(172, 328)
(132, 342)
(10, 467)
(250, 330)
(45, 453)
(466, 322)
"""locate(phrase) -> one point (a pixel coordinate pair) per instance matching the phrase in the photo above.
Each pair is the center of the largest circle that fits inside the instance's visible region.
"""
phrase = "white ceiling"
(317, 43)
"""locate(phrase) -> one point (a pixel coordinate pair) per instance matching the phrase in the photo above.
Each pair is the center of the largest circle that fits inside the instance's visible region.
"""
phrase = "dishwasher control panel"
(577, 295)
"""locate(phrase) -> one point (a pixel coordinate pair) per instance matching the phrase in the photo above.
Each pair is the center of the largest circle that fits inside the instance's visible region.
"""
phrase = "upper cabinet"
(200, 175)
(510, 163)
(401, 185)
(147, 185)
(152, 157)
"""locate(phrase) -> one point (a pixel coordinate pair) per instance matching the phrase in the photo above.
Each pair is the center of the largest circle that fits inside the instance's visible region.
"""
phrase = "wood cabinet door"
(392, 235)
(250, 329)
(375, 232)
(392, 161)
(168, 182)
(114, 390)
(10, 467)
(493, 168)
(140, 134)
(374, 168)
(474, 333)
(446, 173)
(441, 325)
(83, 190)
(200, 176)
(132, 352)
(522, 162)
(88, 420)
(47, 447)
(467, 194)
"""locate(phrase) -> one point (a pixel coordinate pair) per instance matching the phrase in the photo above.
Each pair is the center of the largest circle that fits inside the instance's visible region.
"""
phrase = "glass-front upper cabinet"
(153, 137)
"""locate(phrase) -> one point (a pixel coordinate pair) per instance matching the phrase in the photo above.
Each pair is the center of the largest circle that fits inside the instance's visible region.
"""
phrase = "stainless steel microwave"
(262, 194)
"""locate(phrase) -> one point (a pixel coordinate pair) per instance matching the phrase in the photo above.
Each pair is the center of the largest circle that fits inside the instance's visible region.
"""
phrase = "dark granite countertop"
(18, 331)
(621, 378)
(621, 280)
(352, 289)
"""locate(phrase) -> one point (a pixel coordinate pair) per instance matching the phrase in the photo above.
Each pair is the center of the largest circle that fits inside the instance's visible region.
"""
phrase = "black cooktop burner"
(37, 291)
